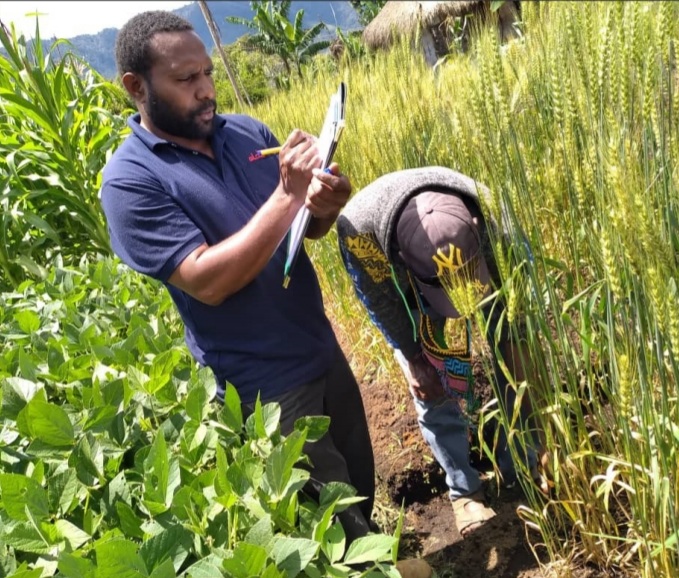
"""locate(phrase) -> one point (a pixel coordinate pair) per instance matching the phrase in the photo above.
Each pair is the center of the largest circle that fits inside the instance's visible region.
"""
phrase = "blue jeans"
(445, 430)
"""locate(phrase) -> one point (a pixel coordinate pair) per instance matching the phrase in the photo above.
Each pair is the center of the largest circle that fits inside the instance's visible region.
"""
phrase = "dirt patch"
(408, 475)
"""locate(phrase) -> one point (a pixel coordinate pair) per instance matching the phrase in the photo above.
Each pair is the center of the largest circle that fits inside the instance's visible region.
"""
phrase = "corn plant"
(58, 131)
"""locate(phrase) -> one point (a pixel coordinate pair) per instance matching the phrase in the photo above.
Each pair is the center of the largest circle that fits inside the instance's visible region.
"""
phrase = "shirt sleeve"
(377, 287)
(149, 231)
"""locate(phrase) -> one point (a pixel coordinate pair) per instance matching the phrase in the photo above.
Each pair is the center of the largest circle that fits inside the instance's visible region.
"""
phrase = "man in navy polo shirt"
(185, 206)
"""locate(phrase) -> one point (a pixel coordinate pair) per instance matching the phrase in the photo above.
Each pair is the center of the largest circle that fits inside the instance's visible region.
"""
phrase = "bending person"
(402, 238)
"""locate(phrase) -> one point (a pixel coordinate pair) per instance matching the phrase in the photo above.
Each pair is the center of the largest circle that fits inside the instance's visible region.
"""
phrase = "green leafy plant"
(275, 34)
(58, 132)
(367, 9)
(116, 460)
(255, 71)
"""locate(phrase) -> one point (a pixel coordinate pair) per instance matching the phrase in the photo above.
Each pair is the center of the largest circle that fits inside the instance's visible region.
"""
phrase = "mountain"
(98, 49)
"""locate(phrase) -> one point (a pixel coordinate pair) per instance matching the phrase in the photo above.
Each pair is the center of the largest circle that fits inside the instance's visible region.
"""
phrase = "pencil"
(262, 153)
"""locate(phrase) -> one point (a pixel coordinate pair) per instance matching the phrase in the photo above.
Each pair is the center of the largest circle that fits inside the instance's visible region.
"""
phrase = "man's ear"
(135, 86)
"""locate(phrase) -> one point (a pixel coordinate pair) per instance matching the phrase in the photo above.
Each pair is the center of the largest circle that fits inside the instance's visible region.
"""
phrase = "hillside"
(97, 49)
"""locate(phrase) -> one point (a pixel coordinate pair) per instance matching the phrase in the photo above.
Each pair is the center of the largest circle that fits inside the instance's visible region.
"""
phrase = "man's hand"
(297, 159)
(328, 192)
(423, 379)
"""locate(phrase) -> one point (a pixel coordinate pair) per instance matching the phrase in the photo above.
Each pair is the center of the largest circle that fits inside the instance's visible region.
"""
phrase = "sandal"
(541, 473)
(471, 513)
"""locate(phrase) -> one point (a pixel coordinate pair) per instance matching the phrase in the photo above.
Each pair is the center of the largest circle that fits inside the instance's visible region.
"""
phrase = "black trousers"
(344, 454)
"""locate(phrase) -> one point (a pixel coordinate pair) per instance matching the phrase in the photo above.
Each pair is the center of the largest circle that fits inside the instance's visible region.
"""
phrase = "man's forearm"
(319, 227)
(213, 273)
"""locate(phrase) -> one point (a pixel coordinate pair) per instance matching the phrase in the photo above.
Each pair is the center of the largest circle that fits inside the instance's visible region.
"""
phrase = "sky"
(68, 19)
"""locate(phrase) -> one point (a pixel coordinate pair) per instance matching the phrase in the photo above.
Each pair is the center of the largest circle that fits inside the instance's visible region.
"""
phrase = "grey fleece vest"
(365, 229)
(376, 207)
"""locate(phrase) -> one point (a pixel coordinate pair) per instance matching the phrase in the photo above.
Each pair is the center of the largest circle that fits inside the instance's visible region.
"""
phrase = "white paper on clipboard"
(327, 144)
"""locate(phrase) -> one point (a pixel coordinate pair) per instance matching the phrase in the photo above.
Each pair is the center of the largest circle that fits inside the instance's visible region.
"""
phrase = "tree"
(255, 71)
(367, 10)
(275, 34)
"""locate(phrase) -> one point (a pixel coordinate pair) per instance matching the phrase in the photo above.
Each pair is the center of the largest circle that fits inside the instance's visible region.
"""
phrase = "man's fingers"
(296, 137)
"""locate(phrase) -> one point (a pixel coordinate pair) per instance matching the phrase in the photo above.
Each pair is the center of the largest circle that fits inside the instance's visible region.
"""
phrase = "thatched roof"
(406, 16)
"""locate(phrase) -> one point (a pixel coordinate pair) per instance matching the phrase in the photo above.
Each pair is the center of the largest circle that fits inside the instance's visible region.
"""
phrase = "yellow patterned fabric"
(452, 364)
(373, 260)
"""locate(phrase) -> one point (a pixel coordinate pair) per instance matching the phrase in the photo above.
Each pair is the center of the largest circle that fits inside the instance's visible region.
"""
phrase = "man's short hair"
(133, 53)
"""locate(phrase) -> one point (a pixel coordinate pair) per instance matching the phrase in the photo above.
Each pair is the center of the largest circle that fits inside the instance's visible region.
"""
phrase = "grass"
(574, 130)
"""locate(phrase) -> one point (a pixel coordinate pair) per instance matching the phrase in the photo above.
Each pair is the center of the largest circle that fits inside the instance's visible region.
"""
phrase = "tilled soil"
(408, 475)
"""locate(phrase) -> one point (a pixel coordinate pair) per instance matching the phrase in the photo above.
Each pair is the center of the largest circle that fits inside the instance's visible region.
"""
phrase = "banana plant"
(275, 34)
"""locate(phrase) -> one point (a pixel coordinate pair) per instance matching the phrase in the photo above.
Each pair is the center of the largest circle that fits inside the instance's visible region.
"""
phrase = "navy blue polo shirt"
(162, 201)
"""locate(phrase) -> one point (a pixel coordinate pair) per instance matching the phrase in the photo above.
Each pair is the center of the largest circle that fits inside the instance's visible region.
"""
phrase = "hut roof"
(406, 16)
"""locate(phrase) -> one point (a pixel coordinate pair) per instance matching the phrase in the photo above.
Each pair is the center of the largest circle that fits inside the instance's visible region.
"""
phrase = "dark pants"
(344, 454)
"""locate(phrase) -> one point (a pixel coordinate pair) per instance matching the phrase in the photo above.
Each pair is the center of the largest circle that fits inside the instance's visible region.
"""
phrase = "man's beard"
(167, 118)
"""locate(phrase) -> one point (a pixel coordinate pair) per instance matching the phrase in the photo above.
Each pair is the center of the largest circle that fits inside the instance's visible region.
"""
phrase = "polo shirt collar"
(150, 139)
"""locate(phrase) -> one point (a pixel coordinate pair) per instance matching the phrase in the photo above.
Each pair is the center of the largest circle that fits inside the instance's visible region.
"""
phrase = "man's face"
(180, 91)
(170, 119)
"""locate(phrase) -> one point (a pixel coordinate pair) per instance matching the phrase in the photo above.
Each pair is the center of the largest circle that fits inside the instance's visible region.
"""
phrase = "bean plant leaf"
(88, 460)
(254, 424)
(239, 478)
(164, 570)
(75, 566)
(232, 413)
(162, 368)
(20, 493)
(261, 533)
(48, 423)
(26, 537)
(161, 477)
(100, 418)
(208, 567)
(222, 485)
(293, 554)
(173, 544)
(16, 393)
(61, 491)
(334, 543)
(248, 560)
(118, 558)
(280, 463)
(384, 570)
(341, 494)
(271, 417)
(28, 321)
(323, 524)
(272, 572)
(71, 533)
(27, 365)
(24, 571)
(369, 549)
(197, 403)
(316, 426)
(130, 523)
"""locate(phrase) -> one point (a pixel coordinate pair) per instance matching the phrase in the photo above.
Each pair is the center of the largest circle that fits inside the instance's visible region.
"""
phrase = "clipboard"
(327, 144)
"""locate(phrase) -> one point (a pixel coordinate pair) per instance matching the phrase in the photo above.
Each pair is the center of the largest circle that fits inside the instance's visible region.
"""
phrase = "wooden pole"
(215, 38)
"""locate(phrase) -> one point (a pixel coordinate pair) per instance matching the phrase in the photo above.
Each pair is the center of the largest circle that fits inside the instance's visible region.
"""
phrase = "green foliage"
(275, 34)
(59, 130)
(352, 45)
(574, 129)
(367, 9)
(255, 73)
(116, 460)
